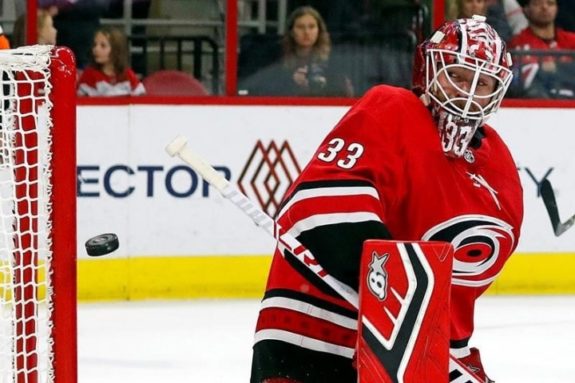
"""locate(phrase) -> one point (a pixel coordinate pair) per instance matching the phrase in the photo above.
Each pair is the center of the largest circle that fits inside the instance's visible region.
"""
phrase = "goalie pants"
(275, 359)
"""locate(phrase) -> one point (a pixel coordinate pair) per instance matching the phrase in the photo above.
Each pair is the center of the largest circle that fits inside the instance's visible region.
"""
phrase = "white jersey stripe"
(304, 342)
(459, 353)
(329, 192)
(311, 310)
(472, 283)
(318, 220)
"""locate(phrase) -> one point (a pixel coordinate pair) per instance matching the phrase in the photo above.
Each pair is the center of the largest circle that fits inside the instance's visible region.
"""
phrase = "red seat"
(173, 83)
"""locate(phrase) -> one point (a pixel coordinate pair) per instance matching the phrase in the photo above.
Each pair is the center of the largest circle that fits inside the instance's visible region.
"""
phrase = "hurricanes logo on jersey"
(377, 276)
(482, 244)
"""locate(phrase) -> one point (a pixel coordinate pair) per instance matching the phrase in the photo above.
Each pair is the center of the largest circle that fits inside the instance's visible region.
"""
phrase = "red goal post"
(38, 215)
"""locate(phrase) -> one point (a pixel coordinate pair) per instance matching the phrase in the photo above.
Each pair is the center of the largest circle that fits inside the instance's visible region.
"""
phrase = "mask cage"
(466, 104)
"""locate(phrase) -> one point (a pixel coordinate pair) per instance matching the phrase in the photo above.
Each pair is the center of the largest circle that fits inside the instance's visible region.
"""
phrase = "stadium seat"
(173, 83)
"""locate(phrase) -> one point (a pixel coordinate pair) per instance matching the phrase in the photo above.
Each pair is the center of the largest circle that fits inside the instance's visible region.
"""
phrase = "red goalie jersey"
(381, 174)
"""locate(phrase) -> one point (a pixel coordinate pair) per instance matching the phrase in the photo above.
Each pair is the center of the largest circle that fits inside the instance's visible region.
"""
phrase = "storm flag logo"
(377, 276)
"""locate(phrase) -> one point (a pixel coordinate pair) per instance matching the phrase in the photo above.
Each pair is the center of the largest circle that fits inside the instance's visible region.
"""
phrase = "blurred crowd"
(541, 36)
(102, 52)
(361, 44)
(338, 48)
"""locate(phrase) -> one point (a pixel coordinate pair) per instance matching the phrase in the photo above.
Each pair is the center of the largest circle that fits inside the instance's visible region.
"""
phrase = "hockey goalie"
(414, 202)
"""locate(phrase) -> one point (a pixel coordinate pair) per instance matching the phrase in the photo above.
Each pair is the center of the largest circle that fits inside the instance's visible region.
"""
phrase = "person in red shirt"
(545, 75)
(402, 165)
(108, 73)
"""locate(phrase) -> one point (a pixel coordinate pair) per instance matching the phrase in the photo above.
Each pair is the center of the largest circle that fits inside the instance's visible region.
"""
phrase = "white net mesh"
(25, 250)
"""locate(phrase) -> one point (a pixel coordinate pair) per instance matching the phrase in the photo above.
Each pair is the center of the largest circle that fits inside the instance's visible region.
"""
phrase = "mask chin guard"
(455, 132)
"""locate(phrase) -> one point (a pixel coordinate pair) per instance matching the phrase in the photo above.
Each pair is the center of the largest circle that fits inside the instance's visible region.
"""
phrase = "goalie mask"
(462, 73)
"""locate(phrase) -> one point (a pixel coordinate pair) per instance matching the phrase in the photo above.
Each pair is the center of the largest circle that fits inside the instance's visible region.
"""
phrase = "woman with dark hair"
(306, 48)
(304, 69)
(109, 73)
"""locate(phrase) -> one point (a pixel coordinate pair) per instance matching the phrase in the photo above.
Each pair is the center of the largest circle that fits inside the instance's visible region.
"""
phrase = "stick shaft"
(263, 220)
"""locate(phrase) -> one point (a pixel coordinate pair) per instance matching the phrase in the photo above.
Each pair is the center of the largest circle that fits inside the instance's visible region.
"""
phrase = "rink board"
(180, 239)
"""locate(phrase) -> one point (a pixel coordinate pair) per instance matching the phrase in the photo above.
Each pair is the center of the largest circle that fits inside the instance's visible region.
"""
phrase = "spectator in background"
(4, 42)
(140, 9)
(341, 16)
(77, 21)
(455, 9)
(497, 18)
(304, 69)
(109, 73)
(545, 76)
(307, 47)
(514, 15)
(46, 31)
(468, 8)
(493, 10)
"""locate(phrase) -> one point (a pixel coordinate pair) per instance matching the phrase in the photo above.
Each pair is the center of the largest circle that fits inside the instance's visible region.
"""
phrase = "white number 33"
(336, 145)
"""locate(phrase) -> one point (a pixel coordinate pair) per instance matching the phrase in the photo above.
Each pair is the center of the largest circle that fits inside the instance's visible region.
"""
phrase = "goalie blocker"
(403, 330)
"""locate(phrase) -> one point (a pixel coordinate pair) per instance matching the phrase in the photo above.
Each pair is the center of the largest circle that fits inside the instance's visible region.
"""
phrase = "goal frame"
(60, 342)
(64, 317)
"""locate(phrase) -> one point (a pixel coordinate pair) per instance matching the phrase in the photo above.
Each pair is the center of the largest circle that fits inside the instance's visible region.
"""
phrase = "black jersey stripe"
(323, 184)
(338, 247)
(461, 343)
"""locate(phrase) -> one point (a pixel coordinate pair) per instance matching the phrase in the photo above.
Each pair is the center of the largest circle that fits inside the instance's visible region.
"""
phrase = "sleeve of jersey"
(87, 83)
(343, 195)
(135, 84)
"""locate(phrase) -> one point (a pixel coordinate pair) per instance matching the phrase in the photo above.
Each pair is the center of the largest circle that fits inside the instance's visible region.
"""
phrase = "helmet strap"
(425, 99)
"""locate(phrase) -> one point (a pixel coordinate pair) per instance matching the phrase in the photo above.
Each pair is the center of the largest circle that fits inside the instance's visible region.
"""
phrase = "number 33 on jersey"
(345, 154)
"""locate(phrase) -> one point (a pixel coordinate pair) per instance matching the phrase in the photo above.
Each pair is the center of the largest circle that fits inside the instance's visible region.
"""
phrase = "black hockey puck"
(102, 244)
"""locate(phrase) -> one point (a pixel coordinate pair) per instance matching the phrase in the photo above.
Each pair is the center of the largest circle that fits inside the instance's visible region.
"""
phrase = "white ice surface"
(522, 340)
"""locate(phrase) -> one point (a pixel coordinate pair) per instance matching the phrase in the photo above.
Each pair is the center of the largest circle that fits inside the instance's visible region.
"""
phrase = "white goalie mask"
(462, 72)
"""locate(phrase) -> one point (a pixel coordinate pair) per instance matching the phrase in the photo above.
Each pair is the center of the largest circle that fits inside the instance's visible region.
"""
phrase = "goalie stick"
(548, 197)
(458, 373)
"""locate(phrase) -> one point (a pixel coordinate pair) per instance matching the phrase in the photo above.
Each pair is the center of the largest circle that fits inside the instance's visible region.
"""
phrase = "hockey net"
(37, 215)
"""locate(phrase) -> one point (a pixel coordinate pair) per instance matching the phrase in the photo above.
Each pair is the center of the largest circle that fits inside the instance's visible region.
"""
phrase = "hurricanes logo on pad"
(377, 276)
